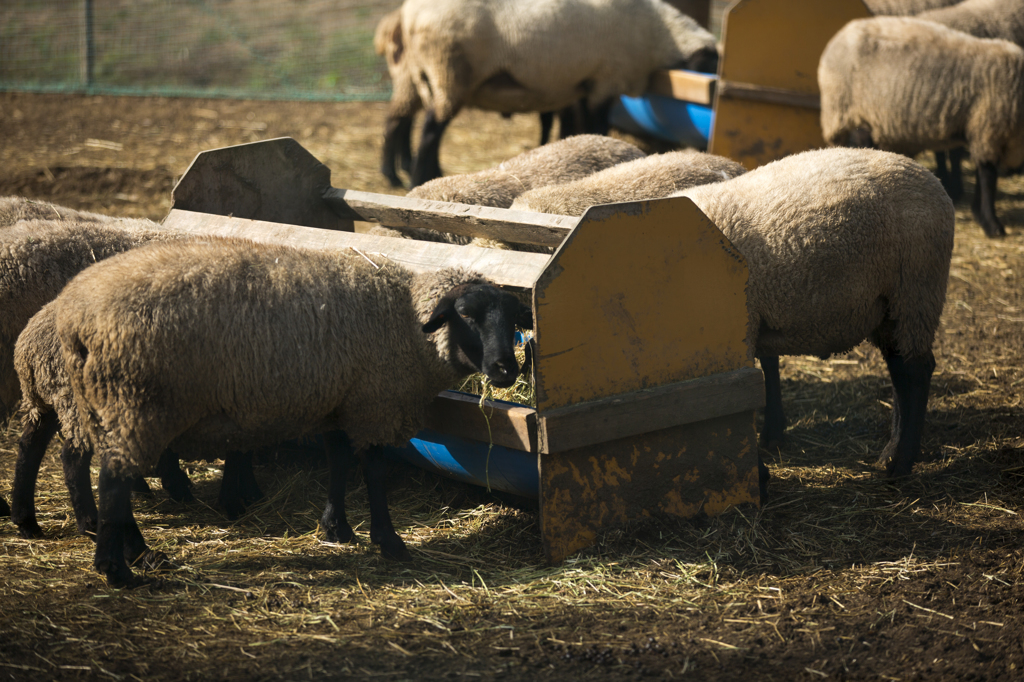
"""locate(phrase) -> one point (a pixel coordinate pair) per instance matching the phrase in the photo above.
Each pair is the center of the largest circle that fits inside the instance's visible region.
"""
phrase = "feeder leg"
(984, 205)
(382, 532)
(340, 459)
(31, 449)
(427, 165)
(75, 461)
(911, 380)
(774, 420)
(175, 482)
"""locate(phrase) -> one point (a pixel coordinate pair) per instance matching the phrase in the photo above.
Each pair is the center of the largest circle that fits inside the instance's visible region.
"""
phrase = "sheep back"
(15, 209)
(905, 7)
(226, 345)
(915, 85)
(651, 177)
(836, 240)
(983, 18)
(37, 258)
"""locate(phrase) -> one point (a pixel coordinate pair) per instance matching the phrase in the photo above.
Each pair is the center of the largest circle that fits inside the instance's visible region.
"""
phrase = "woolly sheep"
(842, 245)
(651, 177)
(49, 405)
(16, 209)
(225, 344)
(982, 19)
(905, 7)
(405, 103)
(559, 162)
(538, 55)
(908, 85)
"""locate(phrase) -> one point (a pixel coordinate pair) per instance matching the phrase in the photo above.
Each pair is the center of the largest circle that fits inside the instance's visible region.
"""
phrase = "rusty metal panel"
(706, 467)
(276, 181)
(639, 295)
(773, 47)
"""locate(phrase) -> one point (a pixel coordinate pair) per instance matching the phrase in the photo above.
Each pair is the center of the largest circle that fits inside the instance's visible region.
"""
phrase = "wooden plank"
(702, 468)
(685, 85)
(459, 414)
(274, 180)
(640, 295)
(764, 93)
(506, 268)
(516, 227)
(630, 414)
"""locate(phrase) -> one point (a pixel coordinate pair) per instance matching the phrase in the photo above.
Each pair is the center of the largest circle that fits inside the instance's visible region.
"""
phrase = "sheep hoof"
(141, 487)
(343, 534)
(30, 530)
(394, 549)
(87, 527)
(117, 574)
(233, 509)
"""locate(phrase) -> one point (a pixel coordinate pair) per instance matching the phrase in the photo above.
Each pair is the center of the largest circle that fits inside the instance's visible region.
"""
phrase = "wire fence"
(259, 49)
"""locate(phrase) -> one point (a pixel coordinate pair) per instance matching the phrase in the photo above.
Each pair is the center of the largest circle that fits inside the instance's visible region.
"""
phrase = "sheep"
(982, 19)
(908, 85)
(559, 162)
(226, 344)
(49, 405)
(651, 177)
(405, 103)
(14, 209)
(37, 258)
(905, 7)
(841, 245)
(528, 55)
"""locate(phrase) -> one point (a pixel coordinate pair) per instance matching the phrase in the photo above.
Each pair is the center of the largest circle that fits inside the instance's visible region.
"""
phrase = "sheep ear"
(437, 320)
(524, 317)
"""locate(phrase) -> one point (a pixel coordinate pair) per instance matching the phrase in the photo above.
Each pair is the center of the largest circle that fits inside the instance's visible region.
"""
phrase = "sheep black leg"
(428, 165)
(382, 532)
(547, 122)
(774, 419)
(340, 459)
(5, 509)
(397, 146)
(174, 481)
(598, 118)
(232, 484)
(911, 381)
(140, 487)
(952, 178)
(75, 461)
(250, 487)
(31, 448)
(984, 204)
(115, 510)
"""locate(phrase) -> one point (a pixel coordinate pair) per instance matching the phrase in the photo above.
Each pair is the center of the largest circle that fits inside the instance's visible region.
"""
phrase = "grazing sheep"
(225, 344)
(405, 103)
(908, 85)
(538, 55)
(49, 406)
(905, 8)
(15, 209)
(559, 162)
(842, 245)
(982, 19)
(651, 177)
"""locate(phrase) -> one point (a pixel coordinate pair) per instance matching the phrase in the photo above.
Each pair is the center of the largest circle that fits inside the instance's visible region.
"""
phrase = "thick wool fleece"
(15, 209)
(842, 245)
(226, 344)
(905, 8)
(983, 18)
(37, 258)
(652, 177)
(914, 86)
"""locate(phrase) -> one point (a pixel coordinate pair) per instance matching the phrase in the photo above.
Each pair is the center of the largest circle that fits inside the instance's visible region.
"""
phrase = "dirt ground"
(843, 575)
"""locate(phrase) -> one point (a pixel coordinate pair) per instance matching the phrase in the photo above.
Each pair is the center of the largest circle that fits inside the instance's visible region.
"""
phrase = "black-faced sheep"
(225, 344)
(528, 55)
(651, 177)
(842, 245)
(908, 85)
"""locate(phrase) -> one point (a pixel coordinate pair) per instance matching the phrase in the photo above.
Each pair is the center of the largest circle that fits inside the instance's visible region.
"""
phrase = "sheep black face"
(704, 60)
(481, 321)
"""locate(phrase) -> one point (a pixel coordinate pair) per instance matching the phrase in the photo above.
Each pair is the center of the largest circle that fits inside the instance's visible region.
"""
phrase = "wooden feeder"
(646, 386)
(764, 103)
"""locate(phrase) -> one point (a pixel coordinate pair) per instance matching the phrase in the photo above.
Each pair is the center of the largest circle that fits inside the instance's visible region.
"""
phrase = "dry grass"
(843, 575)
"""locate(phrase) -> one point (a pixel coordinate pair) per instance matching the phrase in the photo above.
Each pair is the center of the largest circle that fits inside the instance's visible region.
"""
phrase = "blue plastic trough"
(669, 119)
